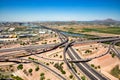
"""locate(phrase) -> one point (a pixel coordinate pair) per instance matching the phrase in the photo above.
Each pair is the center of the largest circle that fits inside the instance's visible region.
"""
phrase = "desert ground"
(106, 63)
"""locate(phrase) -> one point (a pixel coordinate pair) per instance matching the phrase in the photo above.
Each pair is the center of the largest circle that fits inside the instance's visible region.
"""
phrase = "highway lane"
(117, 52)
(63, 37)
(28, 47)
(80, 66)
(103, 37)
(84, 67)
(29, 53)
(98, 40)
(68, 64)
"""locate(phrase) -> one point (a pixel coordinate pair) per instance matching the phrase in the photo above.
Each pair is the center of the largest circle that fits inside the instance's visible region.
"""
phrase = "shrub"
(37, 68)
(88, 51)
(83, 78)
(60, 56)
(20, 67)
(42, 74)
(113, 55)
(99, 66)
(30, 70)
(47, 63)
(42, 77)
(92, 65)
(71, 76)
(63, 72)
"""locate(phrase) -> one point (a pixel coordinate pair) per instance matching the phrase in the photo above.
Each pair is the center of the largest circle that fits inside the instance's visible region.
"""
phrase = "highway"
(117, 52)
(68, 64)
(75, 58)
(103, 37)
(63, 38)
(44, 48)
(84, 67)
(28, 47)
(98, 40)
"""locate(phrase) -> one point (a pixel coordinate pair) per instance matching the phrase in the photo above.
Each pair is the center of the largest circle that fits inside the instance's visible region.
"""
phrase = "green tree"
(42, 77)
(113, 55)
(88, 51)
(54, 40)
(95, 67)
(92, 65)
(20, 67)
(83, 78)
(37, 68)
(30, 70)
(47, 63)
(71, 76)
(42, 74)
(63, 72)
(11, 65)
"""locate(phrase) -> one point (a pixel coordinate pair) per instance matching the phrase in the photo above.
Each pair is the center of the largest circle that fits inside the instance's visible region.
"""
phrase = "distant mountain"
(110, 20)
(106, 20)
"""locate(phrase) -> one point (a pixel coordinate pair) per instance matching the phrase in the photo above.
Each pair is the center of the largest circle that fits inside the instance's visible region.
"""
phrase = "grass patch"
(112, 30)
(20, 29)
(115, 71)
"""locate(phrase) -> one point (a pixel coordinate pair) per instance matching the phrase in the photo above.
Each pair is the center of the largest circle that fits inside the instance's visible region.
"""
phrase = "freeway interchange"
(68, 49)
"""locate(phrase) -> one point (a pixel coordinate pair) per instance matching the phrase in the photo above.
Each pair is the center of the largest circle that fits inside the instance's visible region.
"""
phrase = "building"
(11, 29)
(7, 39)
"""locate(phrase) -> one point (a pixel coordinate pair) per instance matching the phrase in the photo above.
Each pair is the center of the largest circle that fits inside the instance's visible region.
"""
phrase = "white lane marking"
(83, 65)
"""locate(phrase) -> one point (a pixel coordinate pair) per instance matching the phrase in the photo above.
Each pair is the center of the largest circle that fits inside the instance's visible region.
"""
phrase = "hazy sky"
(58, 10)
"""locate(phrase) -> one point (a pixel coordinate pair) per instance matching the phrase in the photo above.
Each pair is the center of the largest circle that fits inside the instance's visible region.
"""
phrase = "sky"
(58, 10)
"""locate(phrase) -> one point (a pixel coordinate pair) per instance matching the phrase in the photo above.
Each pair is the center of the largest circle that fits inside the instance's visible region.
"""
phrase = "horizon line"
(61, 20)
